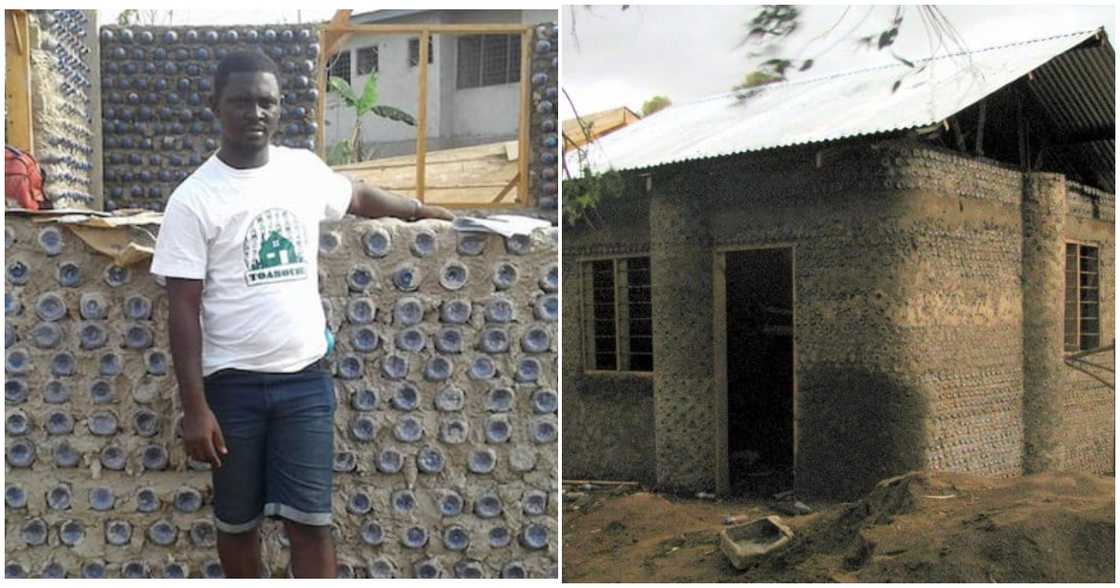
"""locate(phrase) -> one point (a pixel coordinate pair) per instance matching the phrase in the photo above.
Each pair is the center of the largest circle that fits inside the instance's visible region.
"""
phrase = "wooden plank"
(371, 164)
(19, 31)
(473, 153)
(506, 190)
(398, 188)
(341, 19)
(418, 28)
(523, 119)
(422, 122)
(321, 102)
(18, 126)
(479, 205)
(330, 39)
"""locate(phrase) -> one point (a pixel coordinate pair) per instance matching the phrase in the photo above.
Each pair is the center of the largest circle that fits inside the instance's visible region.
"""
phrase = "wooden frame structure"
(339, 29)
(17, 86)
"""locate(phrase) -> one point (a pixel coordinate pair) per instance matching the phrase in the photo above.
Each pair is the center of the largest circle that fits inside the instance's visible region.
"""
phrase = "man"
(238, 247)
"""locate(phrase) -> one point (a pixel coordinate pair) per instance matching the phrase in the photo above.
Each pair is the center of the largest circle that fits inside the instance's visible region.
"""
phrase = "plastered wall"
(909, 313)
(445, 432)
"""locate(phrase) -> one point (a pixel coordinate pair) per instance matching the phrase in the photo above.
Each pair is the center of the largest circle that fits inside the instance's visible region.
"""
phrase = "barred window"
(487, 60)
(1082, 316)
(414, 51)
(367, 60)
(619, 330)
(339, 66)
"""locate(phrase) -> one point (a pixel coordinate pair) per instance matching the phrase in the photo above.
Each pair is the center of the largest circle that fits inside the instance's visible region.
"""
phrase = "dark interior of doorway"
(760, 370)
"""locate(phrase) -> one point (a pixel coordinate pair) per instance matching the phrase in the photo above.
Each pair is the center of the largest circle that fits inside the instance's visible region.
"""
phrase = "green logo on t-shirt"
(273, 248)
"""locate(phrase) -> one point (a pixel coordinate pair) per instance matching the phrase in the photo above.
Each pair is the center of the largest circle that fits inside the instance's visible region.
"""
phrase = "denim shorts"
(279, 430)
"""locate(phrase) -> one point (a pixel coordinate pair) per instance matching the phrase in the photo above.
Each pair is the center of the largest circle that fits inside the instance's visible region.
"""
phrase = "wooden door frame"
(719, 346)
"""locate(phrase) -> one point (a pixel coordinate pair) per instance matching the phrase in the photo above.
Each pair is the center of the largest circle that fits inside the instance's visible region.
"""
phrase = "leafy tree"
(654, 104)
(773, 24)
(362, 105)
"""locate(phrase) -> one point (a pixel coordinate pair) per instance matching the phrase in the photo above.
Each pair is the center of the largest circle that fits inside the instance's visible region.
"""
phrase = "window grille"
(620, 314)
(488, 60)
(367, 60)
(339, 66)
(414, 51)
(1082, 304)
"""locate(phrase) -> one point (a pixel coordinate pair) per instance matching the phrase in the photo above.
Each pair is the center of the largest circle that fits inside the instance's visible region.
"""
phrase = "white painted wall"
(455, 117)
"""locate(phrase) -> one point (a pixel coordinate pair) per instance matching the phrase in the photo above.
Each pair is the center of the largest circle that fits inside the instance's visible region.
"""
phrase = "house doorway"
(754, 313)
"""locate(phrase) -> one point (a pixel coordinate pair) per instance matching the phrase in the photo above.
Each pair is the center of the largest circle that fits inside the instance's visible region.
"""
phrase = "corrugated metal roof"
(379, 16)
(1077, 89)
(824, 109)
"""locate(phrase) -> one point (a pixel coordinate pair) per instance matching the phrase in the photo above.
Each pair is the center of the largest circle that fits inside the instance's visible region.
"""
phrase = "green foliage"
(654, 104)
(339, 153)
(773, 20)
(393, 113)
(773, 24)
(363, 105)
(128, 17)
(583, 195)
(755, 79)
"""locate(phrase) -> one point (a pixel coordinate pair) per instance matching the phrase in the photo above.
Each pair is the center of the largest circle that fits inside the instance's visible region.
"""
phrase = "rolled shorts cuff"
(233, 529)
(315, 519)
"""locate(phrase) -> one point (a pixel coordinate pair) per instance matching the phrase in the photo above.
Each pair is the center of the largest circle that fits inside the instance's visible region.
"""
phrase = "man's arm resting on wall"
(201, 433)
(372, 202)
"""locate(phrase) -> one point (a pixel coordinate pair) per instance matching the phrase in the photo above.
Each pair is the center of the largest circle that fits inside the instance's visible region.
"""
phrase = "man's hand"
(203, 437)
(369, 201)
(429, 211)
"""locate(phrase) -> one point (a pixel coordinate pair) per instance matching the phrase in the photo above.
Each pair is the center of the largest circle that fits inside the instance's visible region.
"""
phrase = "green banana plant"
(366, 103)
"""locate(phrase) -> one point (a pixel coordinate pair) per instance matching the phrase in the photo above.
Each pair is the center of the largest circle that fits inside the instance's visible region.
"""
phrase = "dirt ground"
(921, 527)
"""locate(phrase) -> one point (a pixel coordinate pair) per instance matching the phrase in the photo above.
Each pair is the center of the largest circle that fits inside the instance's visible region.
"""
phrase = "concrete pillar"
(683, 388)
(1044, 213)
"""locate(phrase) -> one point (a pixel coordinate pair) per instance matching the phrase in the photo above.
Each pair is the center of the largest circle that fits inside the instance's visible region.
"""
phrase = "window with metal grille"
(488, 60)
(367, 60)
(619, 330)
(414, 52)
(339, 66)
(1082, 316)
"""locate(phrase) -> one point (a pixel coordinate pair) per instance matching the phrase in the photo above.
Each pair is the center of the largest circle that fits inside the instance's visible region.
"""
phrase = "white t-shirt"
(253, 236)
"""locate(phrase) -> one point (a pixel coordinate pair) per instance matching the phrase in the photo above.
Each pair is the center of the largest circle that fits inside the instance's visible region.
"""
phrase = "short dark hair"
(242, 62)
